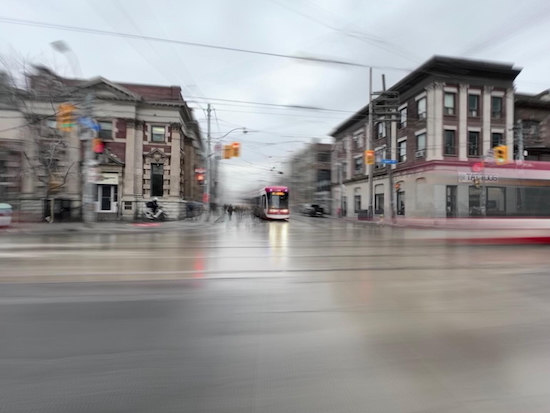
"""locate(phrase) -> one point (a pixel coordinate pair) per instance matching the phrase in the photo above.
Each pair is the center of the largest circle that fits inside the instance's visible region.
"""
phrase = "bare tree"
(35, 92)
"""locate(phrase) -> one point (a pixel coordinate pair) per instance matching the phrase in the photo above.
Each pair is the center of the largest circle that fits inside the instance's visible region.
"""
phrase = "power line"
(367, 38)
(46, 25)
(299, 107)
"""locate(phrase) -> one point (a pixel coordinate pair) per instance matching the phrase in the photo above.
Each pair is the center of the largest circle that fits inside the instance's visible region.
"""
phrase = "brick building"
(152, 143)
(451, 113)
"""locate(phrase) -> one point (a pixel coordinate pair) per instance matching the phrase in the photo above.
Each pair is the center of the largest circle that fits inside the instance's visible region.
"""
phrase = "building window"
(450, 142)
(421, 142)
(403, 118)
(449, 107)
(421, 108)
(127, 205)
(379, 154)
(158, 133)
(344, 171)
(105, 130)
(473, 143)
(496, 107)
(381, 129)
(496, 139)
(323, 156)
(157, 179)
(358, 140)
(357, 203)
(378, 204)
(402, 147)
(359, 165)
(473, 106)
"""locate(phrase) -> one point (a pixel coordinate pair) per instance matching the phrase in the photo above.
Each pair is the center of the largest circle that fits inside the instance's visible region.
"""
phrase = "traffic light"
(200, 178)
(236, 146)
(227, 151)
(369, 157)
(97, 145)
(66, 117)
(501, 154)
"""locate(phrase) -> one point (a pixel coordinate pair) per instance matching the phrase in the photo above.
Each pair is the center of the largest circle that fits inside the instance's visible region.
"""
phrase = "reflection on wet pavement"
(305, 316)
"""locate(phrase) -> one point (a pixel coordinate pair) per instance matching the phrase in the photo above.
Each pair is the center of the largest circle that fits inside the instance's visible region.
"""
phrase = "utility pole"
(389, 144)
(385, 109)
(520, 140)
(208, 161)
(341, 182)
(90, 166)
(370, 147)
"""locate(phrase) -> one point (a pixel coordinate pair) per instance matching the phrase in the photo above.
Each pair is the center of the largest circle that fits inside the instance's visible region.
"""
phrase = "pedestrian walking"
(230, 210)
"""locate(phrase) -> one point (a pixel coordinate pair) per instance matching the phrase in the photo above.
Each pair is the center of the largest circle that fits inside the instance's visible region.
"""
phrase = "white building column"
(175, 164)
(430, 120)
(509, 132)
(138, 159)
(72, 186)
(437, 114)
(463, 123)
(129, 163)
(486, 125)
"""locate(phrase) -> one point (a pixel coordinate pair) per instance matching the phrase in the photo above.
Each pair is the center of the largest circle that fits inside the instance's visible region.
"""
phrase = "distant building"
(310, 175)
(152, 146)
(534, 113)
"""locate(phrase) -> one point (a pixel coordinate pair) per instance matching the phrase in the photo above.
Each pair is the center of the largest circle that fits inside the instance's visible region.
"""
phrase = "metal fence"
(45, 210)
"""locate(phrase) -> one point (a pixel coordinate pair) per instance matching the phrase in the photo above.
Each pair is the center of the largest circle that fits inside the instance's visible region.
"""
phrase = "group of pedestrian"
(239, 210)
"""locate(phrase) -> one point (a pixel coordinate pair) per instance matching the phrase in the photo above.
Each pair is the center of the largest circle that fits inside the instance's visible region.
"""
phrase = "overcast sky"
(396, 35)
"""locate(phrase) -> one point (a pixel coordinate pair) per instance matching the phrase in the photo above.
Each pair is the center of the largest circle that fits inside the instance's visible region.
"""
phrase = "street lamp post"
(212, 167)
(88, 187)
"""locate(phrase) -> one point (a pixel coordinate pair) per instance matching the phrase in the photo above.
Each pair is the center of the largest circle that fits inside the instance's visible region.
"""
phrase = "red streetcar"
(271, 202)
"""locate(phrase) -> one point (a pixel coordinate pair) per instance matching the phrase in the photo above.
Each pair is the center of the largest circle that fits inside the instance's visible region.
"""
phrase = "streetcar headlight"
(284, 211)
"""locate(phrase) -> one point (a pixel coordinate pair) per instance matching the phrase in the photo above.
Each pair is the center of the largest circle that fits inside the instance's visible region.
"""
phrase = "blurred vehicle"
(313, 210)
(5, 215)
(154, 212)
(271, 203)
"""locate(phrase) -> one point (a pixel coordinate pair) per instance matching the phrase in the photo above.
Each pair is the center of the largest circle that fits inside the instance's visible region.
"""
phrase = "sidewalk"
(113, 227)
(503, 231)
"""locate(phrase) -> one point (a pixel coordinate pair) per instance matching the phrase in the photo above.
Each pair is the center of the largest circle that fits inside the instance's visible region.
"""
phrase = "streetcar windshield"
(278, 200)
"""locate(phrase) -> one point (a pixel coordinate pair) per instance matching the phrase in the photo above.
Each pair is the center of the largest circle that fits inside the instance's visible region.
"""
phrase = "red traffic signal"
(97, 145)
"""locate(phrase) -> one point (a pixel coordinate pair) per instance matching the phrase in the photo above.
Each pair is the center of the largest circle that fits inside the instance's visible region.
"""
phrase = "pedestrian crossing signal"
(501, 154)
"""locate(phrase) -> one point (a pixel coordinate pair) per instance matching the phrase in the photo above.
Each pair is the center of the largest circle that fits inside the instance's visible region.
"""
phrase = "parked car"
(313, 210)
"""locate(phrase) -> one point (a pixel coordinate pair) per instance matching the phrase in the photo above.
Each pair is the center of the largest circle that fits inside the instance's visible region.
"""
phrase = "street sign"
(389, 161)
(465, 177)
(89, 123)
(200, 170)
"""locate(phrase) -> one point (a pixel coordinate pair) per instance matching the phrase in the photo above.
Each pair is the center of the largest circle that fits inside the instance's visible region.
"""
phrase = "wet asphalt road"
(247, 316)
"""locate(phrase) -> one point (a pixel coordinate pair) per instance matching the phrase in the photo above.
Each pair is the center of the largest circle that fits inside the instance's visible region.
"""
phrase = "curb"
(130, 229)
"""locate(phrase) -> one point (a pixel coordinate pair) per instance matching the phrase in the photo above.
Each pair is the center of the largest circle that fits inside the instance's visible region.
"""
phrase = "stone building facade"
(152, 145)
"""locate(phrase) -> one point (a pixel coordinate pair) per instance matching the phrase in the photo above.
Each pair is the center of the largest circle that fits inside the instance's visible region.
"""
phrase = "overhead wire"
(34, 23)
(373, 40)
